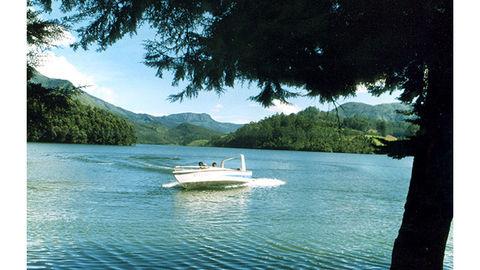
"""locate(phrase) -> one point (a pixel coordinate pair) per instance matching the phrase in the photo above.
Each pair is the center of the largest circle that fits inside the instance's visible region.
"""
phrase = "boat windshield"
(202, 165)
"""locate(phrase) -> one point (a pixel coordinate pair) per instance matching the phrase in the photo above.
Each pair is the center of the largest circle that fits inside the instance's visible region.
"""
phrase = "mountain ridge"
(384, 111)
(184, 128)
(171, 120)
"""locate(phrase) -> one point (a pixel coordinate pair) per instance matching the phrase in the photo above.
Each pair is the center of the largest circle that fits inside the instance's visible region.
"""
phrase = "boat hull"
(212, 178)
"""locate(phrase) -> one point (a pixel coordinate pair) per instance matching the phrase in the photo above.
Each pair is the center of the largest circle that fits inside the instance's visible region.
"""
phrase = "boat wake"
(265, 182)
(255, 183)
(170, 185)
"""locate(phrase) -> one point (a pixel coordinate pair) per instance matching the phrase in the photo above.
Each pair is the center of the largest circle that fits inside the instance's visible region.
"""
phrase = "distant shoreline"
(197, 146)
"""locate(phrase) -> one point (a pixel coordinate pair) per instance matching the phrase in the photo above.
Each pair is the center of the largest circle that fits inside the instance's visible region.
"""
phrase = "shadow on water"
(254, 183)
(174, 188)
(218, 189)
(212, 192)
(144, 166)
(211, 207)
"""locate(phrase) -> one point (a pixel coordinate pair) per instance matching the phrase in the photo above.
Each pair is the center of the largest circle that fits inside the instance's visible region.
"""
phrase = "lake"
(114, 207)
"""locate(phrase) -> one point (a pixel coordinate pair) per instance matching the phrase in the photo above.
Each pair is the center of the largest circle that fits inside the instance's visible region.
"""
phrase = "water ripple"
(106, 207)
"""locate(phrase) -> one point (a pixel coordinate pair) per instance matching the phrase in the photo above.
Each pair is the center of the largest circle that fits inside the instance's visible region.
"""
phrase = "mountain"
(307, 130)
(198, 119)
(386, 112)
(181, 128)
(53, 115)
(169, 121)
(314, 130)
(192, 134)
(199, 128)
(49, 82)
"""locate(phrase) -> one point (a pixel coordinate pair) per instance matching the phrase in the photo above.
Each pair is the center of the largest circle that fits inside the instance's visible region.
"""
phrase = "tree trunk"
(429, 208)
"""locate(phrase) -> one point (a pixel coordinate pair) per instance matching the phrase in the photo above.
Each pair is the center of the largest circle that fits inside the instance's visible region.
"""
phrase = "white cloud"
(282, 107)
(58, 67)
(104, 93)
(217, 108)
(65, 39)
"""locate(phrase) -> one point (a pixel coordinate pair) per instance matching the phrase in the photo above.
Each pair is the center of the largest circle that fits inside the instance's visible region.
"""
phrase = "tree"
(41, 36)
(382, 127)
(54, 115)
(309, 130)
(325, 48)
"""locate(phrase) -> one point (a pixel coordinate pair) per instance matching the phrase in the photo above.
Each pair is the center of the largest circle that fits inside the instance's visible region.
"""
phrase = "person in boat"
(202, 165)
(214, 164)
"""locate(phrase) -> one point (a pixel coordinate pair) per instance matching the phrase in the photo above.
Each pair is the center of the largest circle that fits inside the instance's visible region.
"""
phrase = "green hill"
(182, 128)
(191, 133)
(314, 130)
(54, 115)
(361, 124)
(198, 119)
(386, 112)
(50, 83)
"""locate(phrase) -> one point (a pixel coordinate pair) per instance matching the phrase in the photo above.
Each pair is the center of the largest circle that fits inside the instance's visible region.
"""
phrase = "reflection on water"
(212, 202)
(208, 214)
(109, 207)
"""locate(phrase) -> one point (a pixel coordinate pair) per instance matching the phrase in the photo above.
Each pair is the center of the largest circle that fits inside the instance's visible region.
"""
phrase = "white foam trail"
(170, 185)
(265, 182)
(256, 182)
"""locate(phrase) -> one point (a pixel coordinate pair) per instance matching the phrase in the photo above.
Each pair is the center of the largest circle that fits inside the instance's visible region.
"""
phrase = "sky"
(117, 75)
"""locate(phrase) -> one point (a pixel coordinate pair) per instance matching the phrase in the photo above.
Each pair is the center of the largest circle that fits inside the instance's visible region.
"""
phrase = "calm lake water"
(113, 207)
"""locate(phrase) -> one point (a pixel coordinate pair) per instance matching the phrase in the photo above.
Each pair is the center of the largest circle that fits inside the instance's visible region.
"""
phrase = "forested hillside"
(313, 130)
(181, 128)
(388, 111)
(54, 115)
(66, 115)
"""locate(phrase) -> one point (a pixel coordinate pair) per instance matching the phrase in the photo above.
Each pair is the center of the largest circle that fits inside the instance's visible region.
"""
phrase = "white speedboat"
(212, 176)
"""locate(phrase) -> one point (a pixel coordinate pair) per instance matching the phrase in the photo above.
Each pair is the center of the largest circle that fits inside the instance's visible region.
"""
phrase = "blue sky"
(118, 76)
